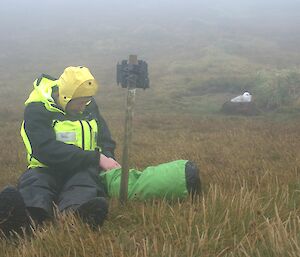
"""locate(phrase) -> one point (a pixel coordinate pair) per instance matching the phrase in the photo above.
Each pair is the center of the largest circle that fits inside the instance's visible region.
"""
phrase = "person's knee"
(89, 175)
(38, 189)
(40, 177)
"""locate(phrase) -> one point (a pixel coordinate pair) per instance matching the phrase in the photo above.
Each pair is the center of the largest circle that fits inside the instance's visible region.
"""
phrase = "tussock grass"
(249, 166)
(249, 207)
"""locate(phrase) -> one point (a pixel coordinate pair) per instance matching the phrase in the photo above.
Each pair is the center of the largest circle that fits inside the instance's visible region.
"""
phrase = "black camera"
(133, 75)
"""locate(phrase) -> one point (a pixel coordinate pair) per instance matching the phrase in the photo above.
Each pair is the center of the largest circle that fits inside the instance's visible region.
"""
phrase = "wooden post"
(128, 133)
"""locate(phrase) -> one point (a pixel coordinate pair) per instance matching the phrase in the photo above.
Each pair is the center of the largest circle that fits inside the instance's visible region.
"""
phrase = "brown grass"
(250, 206)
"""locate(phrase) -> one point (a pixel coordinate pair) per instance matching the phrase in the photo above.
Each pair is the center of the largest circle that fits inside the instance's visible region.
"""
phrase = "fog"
(46, 36)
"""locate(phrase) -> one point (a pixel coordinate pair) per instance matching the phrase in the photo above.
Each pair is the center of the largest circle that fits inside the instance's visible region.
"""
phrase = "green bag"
(166, 181)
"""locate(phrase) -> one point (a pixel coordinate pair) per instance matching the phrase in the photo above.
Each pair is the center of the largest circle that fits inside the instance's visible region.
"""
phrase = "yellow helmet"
(76, 82)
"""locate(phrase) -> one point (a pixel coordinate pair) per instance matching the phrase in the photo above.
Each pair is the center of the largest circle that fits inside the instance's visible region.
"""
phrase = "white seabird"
(244, 98)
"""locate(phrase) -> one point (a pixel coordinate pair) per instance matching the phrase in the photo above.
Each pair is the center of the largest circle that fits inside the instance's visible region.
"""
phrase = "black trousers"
(42, 188)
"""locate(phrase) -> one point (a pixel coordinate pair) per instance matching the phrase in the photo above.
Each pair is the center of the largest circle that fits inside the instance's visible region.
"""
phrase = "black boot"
(193, 181)
(93, 212)
(13, 216)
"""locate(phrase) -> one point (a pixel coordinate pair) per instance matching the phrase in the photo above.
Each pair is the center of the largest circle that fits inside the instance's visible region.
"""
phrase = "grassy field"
(249, 207)
(249, 166)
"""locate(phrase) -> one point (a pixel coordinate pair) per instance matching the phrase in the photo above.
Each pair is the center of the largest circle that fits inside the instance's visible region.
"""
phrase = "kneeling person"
(67, 143)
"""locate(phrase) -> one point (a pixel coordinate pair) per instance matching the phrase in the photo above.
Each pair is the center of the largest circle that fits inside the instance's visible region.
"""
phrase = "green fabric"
(166, 181)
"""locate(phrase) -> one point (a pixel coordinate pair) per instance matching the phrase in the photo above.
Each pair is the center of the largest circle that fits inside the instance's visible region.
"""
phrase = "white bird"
(244, 98)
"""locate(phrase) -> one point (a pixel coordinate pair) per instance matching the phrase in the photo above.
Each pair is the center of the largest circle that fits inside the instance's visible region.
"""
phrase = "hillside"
(187, 46)
(199, 55)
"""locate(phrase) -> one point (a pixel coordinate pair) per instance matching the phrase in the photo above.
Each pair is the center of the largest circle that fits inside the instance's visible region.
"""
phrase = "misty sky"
(38, 34)
(33, 14)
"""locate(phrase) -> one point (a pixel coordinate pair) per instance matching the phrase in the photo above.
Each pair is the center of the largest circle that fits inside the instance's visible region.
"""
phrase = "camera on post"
(133, 75)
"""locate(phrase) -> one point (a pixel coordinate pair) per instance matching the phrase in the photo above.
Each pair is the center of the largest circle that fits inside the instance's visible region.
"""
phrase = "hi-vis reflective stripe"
(33, 163)
(66, 136)
(25, 139)
(91, 133)
(82, 135)
(88, 138)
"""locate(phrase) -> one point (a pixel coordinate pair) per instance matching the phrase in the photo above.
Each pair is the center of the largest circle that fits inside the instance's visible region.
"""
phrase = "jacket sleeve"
(105, 141)
(48, 150)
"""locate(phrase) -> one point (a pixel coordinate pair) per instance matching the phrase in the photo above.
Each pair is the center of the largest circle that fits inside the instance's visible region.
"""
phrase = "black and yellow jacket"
(61, 142)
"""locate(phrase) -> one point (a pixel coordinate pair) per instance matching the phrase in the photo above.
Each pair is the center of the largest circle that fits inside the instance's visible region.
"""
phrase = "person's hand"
(107, 163)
